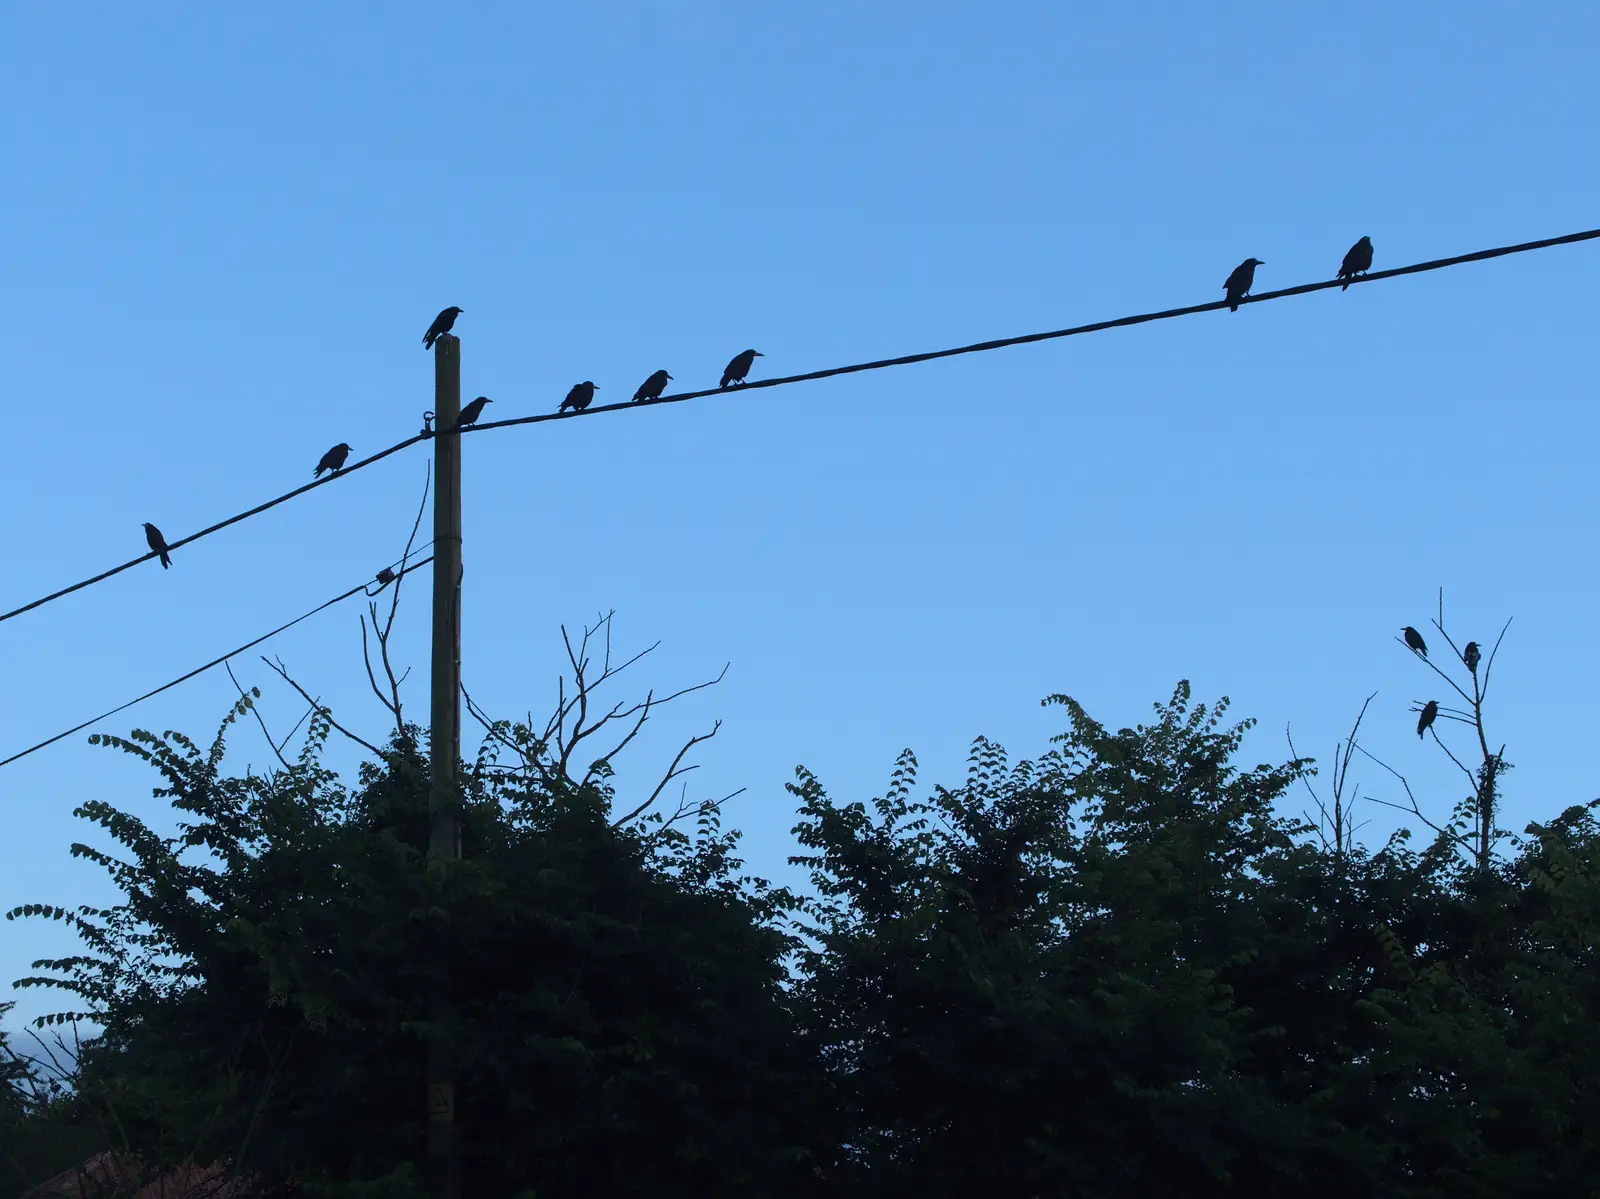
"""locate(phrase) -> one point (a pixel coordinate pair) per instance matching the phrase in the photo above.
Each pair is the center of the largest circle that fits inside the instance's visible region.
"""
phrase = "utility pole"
(444, 741)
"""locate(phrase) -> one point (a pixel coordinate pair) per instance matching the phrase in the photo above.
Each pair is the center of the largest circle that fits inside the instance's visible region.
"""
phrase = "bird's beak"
(759, 354)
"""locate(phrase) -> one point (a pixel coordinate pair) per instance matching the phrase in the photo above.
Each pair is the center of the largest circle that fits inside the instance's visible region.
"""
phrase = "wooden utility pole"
(444, 739)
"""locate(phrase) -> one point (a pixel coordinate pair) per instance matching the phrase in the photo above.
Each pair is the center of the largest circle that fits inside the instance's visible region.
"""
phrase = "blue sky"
(226, 228)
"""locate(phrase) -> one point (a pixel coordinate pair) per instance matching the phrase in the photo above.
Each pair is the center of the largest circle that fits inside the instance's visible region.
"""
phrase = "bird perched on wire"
(158, 543)
(1472, 656)
(1357, 262)
(1430, 713)
(1239, 283)
(652, 387)
(333, 460)
(442, 324)
(579, 398)
(740, 367)
(471, 413)
(1414, 640)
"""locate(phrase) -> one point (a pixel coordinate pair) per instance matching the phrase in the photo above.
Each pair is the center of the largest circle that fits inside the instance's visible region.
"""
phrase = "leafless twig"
(391, 701)
(327, 715)
(248, 699)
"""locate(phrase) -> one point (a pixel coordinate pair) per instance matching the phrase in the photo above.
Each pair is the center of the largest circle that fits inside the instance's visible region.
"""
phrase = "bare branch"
(326, 713)
(1415, 809)
(1489, 664)
(250, 703)
(672, 772)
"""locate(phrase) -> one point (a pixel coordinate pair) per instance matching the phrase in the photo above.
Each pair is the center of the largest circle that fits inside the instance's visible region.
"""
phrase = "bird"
(471, 413)
(158, 543)
(652, 387)
(1430, 712)
(1415, 641)
(579, 398)
(333, 460)
(1471, 656)
(740, 367)
(1238, 284)
(1356, 262)
(385, 577)
(442, 324)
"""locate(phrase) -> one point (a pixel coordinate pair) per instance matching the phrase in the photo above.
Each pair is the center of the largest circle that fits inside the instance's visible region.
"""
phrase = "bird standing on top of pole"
(442, 324)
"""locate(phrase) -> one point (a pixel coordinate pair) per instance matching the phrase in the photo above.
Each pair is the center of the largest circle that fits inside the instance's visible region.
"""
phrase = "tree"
(618, 1005)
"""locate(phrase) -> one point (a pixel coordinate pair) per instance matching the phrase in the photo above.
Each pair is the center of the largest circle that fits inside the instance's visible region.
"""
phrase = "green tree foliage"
(264, 986)
(1116, 970)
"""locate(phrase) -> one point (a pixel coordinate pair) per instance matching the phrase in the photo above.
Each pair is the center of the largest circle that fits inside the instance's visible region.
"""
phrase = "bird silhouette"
(471, 413)
(1415, 641)
(442, 324)
(158, 543)
(333, 460)
(1239, 283)
(740, 367)
(1430, 713)
(652, 387)
(1472, 656)
(579, 398)
(1356, 262)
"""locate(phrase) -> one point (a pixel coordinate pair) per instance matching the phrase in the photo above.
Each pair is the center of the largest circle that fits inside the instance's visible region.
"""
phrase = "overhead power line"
(199, 670)
(1029, 338)
(221, 524)
(855, 368)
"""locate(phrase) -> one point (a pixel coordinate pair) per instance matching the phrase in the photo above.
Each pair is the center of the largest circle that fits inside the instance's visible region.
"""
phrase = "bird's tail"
(166, 562)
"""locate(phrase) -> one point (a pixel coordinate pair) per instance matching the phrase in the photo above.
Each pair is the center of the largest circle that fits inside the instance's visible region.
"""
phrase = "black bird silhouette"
(652, 387)
(740, 367)
(442, 324)
(1471, 656)
(1430, 712)
(385, 577)
(579, 398)
(1239, 283)
(1415, 641)
(333, 460)
(471, 413)
(158, 543)
(1356, 262)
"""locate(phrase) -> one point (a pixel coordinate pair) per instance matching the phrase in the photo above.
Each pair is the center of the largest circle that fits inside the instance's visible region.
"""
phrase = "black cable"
(232, 520)
(879, 364)
(361, 587)
(1097, 326)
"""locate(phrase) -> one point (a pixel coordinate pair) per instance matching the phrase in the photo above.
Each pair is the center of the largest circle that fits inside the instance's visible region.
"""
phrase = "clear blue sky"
(226, 227)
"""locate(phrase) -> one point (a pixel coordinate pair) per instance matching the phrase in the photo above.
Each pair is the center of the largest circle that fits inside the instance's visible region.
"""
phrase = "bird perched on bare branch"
(158, 543)
(1415, 641)
(579, 398)
(1430, 713)
(471, 413)
(333, 460)
(1358, 261)
(442, 324)
(1239, 283)
(1472, 656)
(740, 367)
(652, 387)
